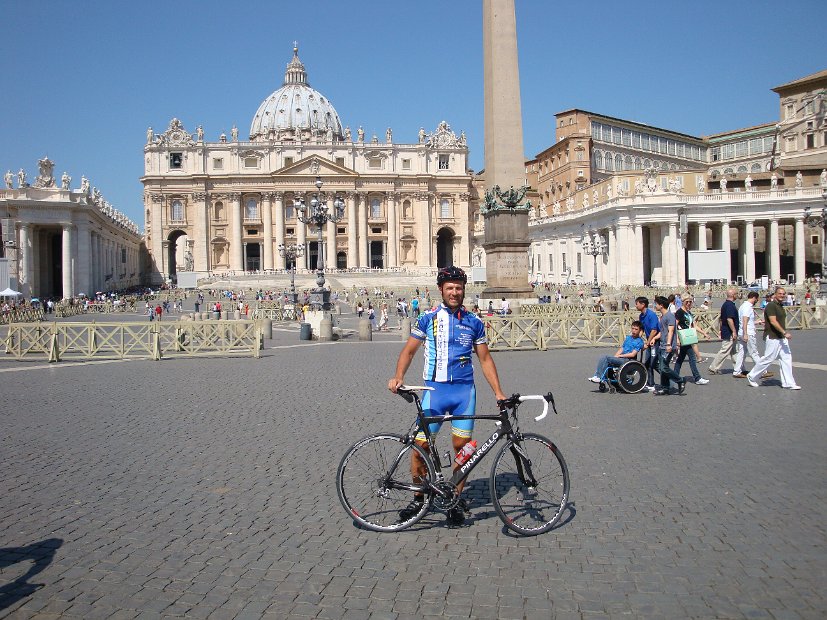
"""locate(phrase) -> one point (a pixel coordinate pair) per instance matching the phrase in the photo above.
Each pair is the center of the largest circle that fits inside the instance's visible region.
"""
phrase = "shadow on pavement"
(40, 554)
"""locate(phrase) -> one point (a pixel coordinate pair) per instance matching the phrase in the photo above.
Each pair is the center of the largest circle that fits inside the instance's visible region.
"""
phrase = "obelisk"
(505, 212)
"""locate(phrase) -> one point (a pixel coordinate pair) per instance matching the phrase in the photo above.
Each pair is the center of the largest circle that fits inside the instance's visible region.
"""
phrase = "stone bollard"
(325, 330)
(515, 308)
(405, 328)
(225, 314)
(236, 315)
(338, 309)
(267, 328)
(365, 332)
(196, 316)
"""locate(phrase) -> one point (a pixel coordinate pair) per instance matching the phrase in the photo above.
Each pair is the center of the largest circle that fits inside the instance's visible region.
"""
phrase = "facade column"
(725, 246)
(352, 251)
(636, 256)
(236, 247)
(244, 256)
(678, 262)
(426, 238)
(363, 230)
(800, 257)
(774, 251)
(66, 262)
(267, 219)
(279, 259)
(301, 236)
(667, 254)
(749, 251)
(84, 262)
(25, 274)
(330, 242)
(613, 265)
(200, 225)
(702, 236)
(393, 231)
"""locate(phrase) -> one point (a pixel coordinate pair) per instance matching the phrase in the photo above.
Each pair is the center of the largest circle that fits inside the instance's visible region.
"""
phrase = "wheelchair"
(629, 378)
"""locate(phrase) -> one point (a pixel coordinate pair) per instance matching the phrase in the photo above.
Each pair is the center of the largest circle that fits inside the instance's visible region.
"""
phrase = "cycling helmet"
(451, 273)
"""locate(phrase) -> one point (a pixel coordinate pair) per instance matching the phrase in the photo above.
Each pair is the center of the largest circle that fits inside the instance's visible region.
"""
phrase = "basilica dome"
(296, 111)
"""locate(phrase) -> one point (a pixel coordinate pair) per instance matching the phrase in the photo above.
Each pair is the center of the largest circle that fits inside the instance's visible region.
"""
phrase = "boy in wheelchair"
(632, 345)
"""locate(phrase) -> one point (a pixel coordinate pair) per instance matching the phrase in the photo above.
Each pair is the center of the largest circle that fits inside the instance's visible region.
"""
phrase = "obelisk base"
(506, 255)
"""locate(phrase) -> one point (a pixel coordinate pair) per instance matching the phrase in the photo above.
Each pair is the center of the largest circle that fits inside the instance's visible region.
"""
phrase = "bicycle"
(529, 480)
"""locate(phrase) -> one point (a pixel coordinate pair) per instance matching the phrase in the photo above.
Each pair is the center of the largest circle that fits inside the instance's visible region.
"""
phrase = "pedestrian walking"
(729, 333)
(666, 342)
(649, 320)
(777, 340)
(747, 334)
(686, 320)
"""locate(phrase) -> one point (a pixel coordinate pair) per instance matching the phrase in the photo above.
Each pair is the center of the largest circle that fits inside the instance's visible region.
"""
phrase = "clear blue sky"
(81, 81)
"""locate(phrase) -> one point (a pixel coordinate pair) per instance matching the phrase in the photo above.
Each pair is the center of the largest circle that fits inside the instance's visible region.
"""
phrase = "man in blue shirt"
(450, 334)
(650, 323)
(632, 345)
(729, 333)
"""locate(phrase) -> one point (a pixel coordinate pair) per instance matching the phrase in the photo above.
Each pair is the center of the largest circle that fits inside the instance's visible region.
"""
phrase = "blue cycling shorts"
(450, 399)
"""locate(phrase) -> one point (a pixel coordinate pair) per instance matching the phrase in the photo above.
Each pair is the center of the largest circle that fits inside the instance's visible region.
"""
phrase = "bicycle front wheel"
(376, 486)
(529, 484)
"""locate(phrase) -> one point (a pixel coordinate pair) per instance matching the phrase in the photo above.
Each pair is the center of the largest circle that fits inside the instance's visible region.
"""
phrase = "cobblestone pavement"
(196, 488)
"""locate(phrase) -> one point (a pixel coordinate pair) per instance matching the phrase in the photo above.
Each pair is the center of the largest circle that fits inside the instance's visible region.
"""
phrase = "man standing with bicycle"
(450, 334)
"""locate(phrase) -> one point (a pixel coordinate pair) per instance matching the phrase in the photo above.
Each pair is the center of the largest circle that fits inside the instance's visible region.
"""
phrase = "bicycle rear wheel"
(529, 484)
(374, 483)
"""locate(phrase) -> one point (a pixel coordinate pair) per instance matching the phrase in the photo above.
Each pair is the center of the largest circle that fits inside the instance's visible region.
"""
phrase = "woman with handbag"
(688, 339)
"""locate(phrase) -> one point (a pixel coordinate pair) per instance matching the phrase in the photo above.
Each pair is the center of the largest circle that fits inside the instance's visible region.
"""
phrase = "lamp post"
(290, 253)
(316, 214)
(594, 246)
(820, 221)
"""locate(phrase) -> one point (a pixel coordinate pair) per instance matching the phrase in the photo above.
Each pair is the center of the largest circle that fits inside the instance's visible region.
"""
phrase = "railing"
(18, 315)
(59, 341)
(273, 310)
(588, 329)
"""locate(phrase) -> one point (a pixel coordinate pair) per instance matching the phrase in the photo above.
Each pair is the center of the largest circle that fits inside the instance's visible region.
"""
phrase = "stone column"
(636, 256)
(236, 247)
(426, 232)
(363, 230)
(800, 257)
(614, 259)
(330, 242)
(702, 236)
(267, 219)
(749, 251)
(667, 254)
(26, 263)
(83, 265)
(676, 254)
(279, 259)
(66, 262)
(244, 256)
(393, 231)
(200, 237)
(773, 251)
(725, 246)
(352, 249)
(301, 237)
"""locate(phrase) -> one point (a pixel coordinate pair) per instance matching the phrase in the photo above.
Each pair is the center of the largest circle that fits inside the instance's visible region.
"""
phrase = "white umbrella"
(8, 292)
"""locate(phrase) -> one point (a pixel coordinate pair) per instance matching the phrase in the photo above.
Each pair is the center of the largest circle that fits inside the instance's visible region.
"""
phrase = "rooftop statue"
(65, 181)
(9, 179)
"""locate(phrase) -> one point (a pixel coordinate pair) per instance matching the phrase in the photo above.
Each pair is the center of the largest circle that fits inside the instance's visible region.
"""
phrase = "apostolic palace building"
(227, 206)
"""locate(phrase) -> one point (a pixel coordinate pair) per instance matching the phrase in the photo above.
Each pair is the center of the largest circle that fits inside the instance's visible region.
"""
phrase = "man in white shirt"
(505, 306)
(746, 332)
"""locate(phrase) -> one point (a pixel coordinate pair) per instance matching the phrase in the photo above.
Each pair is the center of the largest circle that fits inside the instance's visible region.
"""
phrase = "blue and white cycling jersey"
(449, 341)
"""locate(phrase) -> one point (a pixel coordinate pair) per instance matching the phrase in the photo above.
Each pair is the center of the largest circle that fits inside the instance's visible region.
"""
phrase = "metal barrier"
(589, 329)
(273, 310)
(63, 311)
(18, 315)
(59, 341)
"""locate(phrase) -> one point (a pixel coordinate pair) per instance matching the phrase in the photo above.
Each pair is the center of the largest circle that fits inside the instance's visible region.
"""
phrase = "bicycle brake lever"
(550, 399)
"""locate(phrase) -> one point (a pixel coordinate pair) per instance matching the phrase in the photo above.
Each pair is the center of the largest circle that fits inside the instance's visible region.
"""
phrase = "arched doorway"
(445, 247)
(176, 253)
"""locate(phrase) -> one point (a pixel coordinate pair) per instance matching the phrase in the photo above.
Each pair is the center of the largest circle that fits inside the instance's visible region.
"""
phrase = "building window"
(406, 164)
(790, 143)
(177, 211)
(218, 163)
(627, 137)
(616, 137)
(251, 162)
(618, 162)
(443, 162)
(565, 267)
(579, 262)
(288, 161)
(289, 212)
(789, 111)
(808, 108)
(341, 230)
(609, 165)
(340, 161)
(814, 239)
(551, 262)
(376, 230)
(741, 149)
(290, 231)
(375, 208)
(598, 160)
(251, 209)
(644, 141)
(252, 232)
(375, 162)
(444, 208)
(811, 140)
(176, 160)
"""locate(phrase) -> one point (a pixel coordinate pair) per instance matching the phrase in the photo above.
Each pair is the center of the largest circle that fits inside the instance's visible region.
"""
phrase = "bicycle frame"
(505, 430)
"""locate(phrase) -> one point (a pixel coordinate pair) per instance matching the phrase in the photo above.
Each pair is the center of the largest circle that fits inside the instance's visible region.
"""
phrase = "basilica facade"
(228, 206)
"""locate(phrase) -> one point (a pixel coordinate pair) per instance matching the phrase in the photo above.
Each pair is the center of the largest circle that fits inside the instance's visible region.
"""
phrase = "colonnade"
(90, 260)
(640, 252)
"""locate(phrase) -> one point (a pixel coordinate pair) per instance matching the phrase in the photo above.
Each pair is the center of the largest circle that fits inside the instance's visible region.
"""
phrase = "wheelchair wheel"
(602, 386)
(631, 377)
